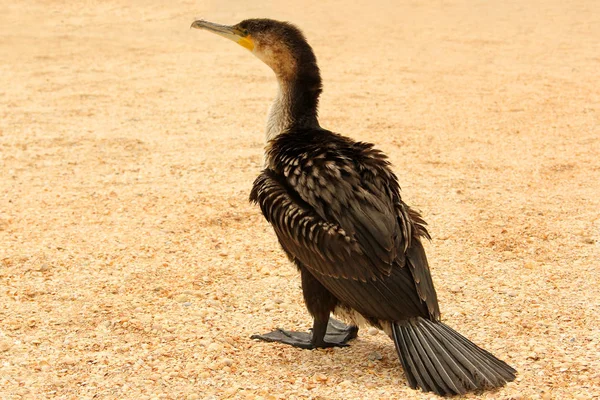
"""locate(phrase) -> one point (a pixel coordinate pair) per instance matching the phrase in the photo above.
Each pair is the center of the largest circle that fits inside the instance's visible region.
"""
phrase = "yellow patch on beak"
(246, 42)
(240, 36)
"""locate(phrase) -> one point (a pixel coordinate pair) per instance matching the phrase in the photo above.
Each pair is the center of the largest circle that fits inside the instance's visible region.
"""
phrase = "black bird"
(336, 209)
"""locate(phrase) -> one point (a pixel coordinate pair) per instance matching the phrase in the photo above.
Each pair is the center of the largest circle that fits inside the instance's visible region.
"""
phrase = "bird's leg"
(331, 333)
(326, 331)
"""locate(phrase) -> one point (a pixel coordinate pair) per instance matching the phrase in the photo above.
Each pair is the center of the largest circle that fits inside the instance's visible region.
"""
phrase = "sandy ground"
(132, 265)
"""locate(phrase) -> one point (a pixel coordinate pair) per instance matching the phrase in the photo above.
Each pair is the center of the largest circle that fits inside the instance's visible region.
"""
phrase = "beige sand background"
(133, 267)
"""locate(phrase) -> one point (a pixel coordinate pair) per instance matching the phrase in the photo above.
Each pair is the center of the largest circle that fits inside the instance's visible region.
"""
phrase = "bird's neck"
(296, 103)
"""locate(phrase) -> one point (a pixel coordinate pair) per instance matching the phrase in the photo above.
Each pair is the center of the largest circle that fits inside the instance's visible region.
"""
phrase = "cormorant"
(336, 209)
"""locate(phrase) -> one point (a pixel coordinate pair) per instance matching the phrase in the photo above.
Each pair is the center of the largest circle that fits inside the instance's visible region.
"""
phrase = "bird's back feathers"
(335, 206)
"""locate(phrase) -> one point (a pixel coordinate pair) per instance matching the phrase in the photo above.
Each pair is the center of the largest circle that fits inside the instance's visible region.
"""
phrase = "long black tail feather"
(438, 359)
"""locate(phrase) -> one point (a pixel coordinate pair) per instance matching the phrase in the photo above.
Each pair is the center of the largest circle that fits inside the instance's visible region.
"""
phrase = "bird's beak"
(230, 32)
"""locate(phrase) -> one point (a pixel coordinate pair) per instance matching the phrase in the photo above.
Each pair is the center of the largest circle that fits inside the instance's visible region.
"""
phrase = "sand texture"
(133, 267)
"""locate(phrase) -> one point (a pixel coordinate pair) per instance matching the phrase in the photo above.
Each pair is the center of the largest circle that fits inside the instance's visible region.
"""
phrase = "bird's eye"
(246, 32)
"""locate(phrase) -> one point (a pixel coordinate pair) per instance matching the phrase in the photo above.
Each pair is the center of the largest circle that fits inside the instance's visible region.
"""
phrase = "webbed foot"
(337, 335)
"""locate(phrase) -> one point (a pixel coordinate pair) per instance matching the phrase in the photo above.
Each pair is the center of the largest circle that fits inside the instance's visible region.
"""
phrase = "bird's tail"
(438, 359)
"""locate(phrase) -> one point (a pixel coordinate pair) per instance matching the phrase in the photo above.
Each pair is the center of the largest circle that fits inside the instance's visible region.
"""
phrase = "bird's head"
(280, 45)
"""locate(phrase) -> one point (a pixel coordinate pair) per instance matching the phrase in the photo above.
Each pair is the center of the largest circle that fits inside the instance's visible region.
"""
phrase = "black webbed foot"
(339, 332)
(337, 335)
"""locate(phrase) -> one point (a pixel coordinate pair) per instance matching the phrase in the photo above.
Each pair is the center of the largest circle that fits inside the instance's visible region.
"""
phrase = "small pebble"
(529, 265)
(375, 356)
(455, 289)
(105, 324)
(182, 298)
(227, 361)
(69, 360)
(214, 347)
(321, 377)
(373, 331)
(155, 377)
(44, 267)
(5, 346)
